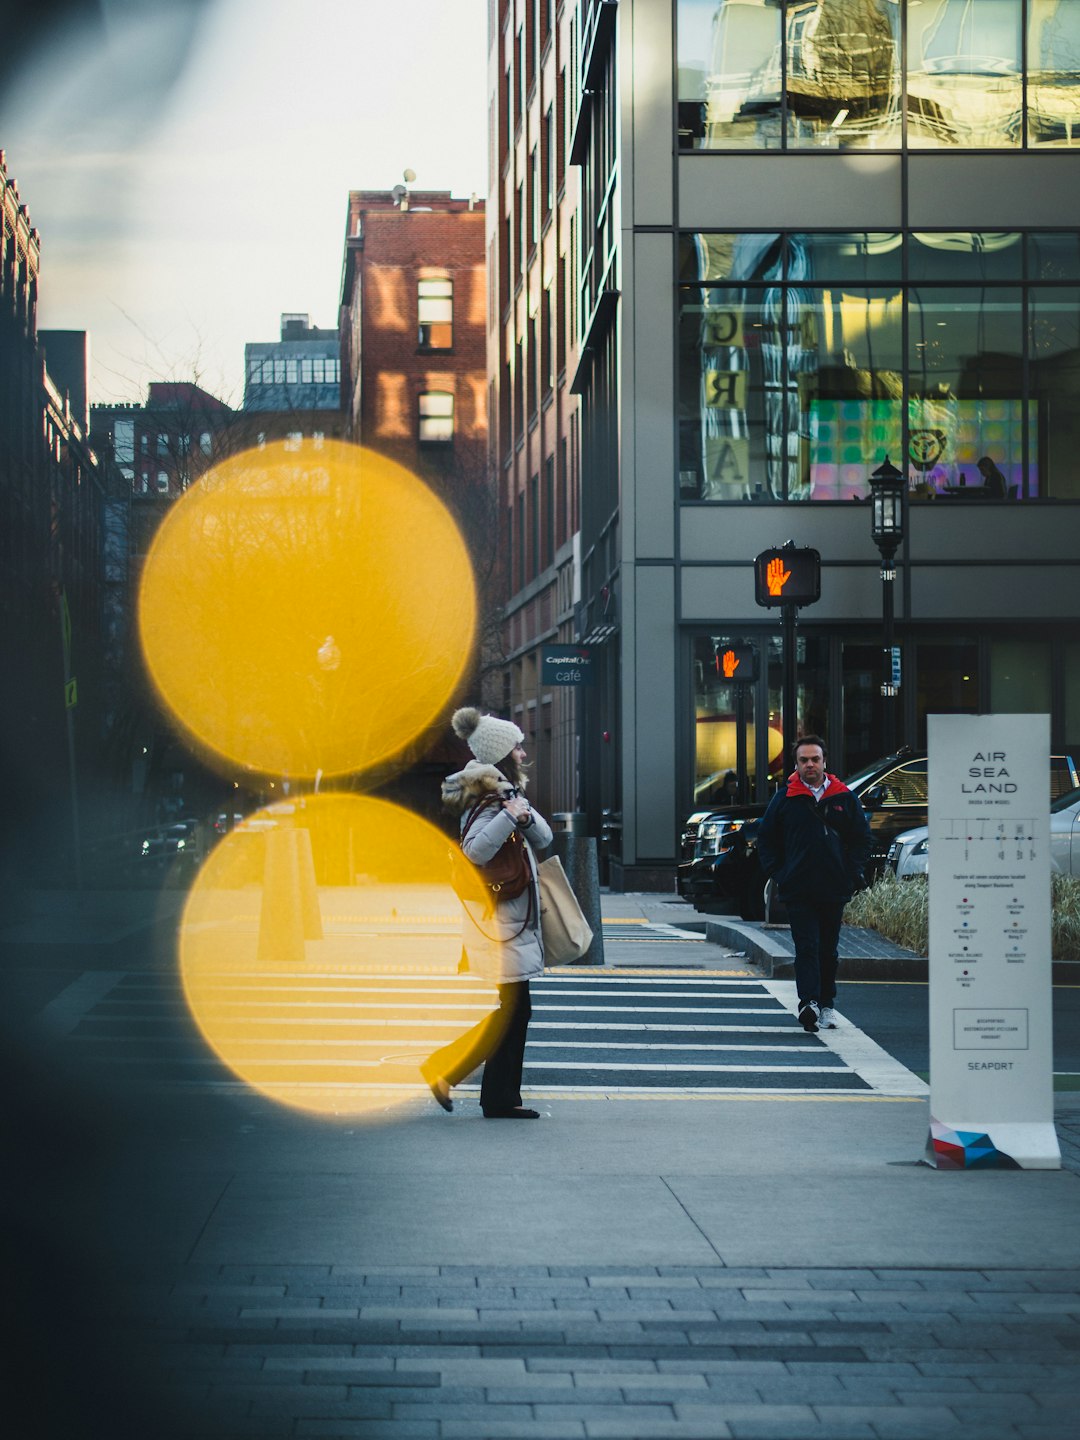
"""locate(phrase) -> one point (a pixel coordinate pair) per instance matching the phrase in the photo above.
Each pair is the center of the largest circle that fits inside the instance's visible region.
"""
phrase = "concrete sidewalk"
(206, 1262)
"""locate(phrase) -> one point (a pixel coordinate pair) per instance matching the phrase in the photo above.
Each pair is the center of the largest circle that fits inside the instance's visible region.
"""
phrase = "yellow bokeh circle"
(319, 952)
(307, 607)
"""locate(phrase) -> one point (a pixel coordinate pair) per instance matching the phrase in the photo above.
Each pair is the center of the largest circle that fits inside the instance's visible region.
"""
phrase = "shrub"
(895, 908)
(899, 910)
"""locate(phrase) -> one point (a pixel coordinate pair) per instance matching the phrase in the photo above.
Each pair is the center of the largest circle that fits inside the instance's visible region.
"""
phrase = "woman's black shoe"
(519, 1112)
(439, 1088)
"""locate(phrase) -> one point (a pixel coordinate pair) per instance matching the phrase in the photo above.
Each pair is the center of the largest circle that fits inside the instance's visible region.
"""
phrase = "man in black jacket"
(813, 842)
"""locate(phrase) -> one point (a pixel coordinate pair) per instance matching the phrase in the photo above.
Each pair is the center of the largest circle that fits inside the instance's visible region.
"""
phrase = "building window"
(279, 372)
(547, 553)
(162, 483)
(255, 372)
(436, 418)
(306, 373)
(829, 74)
(805, 359)
(534, 527)
(292, 372)
(205, 442)
(549, 159)
(435, 313)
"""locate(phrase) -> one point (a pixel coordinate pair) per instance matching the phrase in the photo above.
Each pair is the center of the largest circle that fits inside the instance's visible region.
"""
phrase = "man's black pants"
(815, 930)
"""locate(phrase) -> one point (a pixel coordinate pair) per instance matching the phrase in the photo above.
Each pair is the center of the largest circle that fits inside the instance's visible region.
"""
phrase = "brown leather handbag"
(505, 876)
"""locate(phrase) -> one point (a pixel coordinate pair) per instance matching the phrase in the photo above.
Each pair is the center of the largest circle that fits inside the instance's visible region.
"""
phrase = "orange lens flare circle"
(307, 608)
(319, 952)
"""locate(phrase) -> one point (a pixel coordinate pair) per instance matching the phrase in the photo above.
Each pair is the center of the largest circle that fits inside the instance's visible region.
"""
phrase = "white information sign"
(991, 1041)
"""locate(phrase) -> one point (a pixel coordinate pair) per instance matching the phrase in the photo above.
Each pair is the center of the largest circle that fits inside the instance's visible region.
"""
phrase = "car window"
(1063, 802)
(906, 785)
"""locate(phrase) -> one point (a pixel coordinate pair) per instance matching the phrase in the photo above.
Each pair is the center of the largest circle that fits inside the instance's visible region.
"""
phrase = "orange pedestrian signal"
(787, 576)
(737, 663)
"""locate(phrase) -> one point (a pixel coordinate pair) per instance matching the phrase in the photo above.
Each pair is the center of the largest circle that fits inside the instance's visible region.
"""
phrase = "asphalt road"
(896, 1015)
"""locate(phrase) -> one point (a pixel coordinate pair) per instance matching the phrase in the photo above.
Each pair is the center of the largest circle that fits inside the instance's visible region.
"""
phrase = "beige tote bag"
(565, 931)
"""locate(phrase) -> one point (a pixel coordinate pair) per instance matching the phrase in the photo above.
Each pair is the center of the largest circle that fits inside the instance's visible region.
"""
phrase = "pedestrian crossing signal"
(737, 663)
(787, 576)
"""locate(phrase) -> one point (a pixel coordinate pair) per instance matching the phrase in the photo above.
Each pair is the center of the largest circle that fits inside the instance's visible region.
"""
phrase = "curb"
(777, 963)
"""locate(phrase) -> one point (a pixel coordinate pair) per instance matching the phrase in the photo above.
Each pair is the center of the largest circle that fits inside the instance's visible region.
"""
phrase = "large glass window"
(719, 708)
(1020, 676)
(965, 83)
(805, 360)
(846, 350)
(843, 74)
(827, 74)
(1054, 369)
(1053, 63)
(729, 74)
(947, 680)
(965, 389)
(727, 341)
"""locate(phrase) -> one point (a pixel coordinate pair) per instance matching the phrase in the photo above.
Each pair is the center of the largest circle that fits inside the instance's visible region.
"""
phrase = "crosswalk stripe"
(698, 1033)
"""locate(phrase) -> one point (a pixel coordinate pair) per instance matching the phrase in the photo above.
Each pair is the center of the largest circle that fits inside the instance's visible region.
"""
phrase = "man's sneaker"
(827, 1018)
(809, 1013)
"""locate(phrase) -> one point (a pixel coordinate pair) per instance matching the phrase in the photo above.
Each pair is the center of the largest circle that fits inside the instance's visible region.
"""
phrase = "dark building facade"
(53, 492)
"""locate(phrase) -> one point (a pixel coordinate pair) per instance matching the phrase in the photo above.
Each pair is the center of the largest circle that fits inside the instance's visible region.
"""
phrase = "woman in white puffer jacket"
(503, 944)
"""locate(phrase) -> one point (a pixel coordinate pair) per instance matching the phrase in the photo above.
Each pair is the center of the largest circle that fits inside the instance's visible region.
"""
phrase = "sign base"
(1009, 1145)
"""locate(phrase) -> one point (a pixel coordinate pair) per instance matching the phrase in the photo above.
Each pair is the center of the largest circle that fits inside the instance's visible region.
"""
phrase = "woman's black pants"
(497, 1043)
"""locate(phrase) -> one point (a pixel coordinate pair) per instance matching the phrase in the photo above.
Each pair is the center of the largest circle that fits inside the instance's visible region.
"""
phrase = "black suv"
(718, 863)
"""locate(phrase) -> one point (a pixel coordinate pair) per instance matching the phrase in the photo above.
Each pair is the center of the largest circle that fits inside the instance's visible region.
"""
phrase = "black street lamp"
(887, 529)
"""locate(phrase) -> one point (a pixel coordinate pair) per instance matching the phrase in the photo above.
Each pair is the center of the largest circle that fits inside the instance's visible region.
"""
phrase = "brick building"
(413, 380)
(532, 245)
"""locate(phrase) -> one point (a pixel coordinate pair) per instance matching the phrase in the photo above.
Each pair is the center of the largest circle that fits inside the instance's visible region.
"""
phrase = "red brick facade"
(387, 363)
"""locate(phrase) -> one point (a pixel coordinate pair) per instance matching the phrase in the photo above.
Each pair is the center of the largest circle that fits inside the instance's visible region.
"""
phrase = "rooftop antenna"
(401, 192)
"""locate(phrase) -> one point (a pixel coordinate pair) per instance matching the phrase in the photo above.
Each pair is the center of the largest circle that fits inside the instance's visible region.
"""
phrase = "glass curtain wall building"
(831, 231)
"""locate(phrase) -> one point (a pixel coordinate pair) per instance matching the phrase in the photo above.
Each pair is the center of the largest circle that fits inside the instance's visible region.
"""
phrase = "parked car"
(718, 864)
(168, 841)
(909, 854)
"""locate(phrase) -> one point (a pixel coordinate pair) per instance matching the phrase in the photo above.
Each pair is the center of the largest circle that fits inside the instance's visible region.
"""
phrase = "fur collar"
(475, 782)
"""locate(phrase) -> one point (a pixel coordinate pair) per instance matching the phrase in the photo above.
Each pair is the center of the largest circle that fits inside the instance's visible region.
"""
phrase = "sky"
(188, 165)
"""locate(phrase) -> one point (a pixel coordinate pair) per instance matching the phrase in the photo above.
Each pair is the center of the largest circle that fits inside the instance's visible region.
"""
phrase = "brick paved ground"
(549, 1352)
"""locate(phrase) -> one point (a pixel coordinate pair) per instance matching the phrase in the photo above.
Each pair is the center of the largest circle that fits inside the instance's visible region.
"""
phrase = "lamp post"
(887, 529)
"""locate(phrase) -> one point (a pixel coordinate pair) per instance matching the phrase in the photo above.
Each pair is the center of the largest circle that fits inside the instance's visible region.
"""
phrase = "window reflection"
(843, 74)
(964, 73)
(826, 74)
(1054, 367)
(729, 74)
(1053, 96)
(850, 387)
(965, 383)
(794, 381)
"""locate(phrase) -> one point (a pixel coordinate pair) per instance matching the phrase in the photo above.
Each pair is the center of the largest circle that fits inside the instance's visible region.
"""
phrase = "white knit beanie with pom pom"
(489, 738)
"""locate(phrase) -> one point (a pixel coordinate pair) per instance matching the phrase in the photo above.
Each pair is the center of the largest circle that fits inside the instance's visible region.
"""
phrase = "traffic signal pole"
(787, 613)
